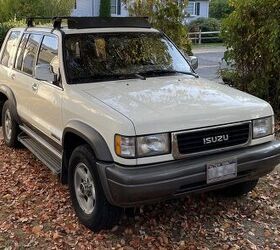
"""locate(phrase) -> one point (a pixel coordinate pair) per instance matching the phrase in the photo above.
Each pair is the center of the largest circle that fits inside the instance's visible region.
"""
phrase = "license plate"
(221, 171)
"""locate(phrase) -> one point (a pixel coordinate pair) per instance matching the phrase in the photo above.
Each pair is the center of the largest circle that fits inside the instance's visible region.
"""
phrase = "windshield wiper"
(163, 72)
(99, 78)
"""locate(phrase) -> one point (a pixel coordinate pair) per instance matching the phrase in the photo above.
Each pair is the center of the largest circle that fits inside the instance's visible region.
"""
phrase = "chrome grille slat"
(191, 142)
(198, 141)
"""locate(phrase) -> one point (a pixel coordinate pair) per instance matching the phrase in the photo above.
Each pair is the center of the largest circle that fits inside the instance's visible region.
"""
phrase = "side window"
(49, 53)
(30, 53)
(20, 52)
(10, 49)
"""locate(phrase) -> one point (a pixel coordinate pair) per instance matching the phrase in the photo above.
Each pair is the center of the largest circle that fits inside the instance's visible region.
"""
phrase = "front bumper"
(137, 185)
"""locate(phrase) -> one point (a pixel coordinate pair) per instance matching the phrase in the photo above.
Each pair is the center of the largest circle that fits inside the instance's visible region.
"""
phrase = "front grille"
(213, 138)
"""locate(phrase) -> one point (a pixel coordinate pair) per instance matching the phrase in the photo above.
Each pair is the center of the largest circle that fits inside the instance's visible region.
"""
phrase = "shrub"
(220, 8)
(105, 8)
(251, 34)
(206, 24)
(168, 17)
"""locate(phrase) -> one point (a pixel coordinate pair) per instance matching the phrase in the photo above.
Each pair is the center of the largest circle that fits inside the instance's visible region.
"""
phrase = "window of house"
(193, 8)
(30, 53)
(10, 49)
(197, 9)
(115, 7)
(49, 53)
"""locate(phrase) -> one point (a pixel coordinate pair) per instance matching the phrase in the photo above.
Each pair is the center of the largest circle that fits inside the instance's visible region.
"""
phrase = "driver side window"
(48, 54)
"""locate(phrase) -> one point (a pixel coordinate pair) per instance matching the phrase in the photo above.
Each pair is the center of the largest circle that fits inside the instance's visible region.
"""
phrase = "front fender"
(92, 137)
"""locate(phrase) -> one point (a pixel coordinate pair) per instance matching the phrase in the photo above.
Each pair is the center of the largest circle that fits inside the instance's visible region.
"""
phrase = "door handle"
(13, 76)
(35, 86)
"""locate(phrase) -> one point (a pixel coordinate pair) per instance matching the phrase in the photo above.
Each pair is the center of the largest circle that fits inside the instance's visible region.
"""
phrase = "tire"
(239, 189)
(10, 127)
(84, 182)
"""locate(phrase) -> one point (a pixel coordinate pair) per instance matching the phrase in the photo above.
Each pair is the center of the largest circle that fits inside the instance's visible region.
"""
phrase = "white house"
(195, 9)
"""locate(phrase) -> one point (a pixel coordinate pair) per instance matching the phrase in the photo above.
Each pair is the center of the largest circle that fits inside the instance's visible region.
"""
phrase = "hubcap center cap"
(86, 188)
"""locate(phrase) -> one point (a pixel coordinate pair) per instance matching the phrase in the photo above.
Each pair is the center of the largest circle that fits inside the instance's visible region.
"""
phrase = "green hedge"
(206, 24)
(252, 36)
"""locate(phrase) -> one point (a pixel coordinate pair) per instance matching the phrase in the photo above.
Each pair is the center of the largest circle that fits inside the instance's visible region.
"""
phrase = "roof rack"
(94, 22)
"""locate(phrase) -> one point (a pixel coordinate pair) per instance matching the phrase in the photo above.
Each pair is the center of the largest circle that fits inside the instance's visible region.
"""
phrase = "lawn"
(36, 213)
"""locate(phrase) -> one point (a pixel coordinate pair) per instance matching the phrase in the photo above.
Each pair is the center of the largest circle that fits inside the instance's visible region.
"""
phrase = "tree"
(168, 16)
(220, 9)
(105, 8)
(251, 34)
(20, 9)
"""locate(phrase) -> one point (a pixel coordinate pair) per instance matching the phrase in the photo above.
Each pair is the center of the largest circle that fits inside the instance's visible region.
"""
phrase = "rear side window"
(20, 52)
(10, 49)
(30, 53)
(49, 53)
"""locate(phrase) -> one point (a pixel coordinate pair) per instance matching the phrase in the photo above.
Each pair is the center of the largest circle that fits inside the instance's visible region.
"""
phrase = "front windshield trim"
(129, 76)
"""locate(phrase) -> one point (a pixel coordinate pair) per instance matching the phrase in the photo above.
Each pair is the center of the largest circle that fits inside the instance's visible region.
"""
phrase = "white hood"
(166, 104)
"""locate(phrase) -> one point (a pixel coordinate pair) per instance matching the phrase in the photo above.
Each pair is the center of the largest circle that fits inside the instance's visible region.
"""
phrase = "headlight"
(142, 146)
(153, 145)
(263, 127)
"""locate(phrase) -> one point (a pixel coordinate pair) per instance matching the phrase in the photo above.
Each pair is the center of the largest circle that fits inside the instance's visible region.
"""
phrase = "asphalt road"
(209, 61)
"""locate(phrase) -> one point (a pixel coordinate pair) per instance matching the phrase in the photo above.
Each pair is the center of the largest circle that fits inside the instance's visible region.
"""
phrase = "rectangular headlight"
(142, 146)
(152, 145)
(263, 127)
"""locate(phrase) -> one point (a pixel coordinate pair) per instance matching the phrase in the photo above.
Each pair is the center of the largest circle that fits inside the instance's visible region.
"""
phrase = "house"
(195, 9)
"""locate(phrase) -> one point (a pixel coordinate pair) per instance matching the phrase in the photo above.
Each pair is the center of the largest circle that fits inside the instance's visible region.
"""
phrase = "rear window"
(30, 53)
(20, 52)
(10, 49)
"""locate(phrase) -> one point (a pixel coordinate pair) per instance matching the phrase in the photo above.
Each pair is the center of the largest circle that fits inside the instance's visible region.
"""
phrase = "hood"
(166, 104)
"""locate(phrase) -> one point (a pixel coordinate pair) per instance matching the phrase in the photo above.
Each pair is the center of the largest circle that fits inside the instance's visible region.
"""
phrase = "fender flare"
(5, 90)
(92, 137)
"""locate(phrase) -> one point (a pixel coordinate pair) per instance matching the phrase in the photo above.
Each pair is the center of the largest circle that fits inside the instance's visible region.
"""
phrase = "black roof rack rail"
(94, 22)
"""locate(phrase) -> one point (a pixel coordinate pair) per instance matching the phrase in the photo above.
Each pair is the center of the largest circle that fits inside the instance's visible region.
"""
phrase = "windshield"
(113, 56)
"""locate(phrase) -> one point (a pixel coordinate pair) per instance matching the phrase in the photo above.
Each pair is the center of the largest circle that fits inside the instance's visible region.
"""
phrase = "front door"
(47, 96)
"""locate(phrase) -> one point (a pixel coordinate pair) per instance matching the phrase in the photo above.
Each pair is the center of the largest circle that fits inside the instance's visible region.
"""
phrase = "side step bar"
(41, 149)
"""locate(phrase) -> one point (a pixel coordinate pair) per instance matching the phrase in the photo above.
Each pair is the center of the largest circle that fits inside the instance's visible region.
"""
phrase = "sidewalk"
(208, 49)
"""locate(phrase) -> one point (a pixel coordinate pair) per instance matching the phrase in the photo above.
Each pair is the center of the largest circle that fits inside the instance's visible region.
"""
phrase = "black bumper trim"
(137, 185)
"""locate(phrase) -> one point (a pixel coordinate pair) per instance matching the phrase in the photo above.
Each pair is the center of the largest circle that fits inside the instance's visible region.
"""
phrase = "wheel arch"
(7, 94)
(77, 133)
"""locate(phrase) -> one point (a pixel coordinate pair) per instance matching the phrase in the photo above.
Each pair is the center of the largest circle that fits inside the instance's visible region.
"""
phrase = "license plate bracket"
(221, 171)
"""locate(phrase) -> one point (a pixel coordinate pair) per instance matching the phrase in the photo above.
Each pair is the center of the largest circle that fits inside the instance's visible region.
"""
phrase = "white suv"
(116, 110)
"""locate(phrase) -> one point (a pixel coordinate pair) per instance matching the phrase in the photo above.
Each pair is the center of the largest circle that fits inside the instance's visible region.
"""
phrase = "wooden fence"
(199, 37)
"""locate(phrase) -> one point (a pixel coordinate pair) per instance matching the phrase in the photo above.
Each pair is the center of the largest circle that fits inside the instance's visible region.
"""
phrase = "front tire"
(239, 189)
(87, 195)
(9, 126)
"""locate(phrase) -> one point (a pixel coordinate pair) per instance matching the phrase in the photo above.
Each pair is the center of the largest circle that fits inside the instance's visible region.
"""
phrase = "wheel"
(87, 195)
(239, 189)
(9, 126)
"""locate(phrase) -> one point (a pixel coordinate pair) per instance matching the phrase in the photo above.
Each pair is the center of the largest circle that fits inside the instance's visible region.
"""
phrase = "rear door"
(22, 75)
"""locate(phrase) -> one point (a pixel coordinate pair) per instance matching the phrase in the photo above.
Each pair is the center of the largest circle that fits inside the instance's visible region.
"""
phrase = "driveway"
(209, 59)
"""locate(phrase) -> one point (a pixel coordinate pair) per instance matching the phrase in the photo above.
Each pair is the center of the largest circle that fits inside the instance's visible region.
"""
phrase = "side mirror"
(45, 72)
(194, 62)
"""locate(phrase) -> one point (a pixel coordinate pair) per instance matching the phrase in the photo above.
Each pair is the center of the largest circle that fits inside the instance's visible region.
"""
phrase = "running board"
(42, 150)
